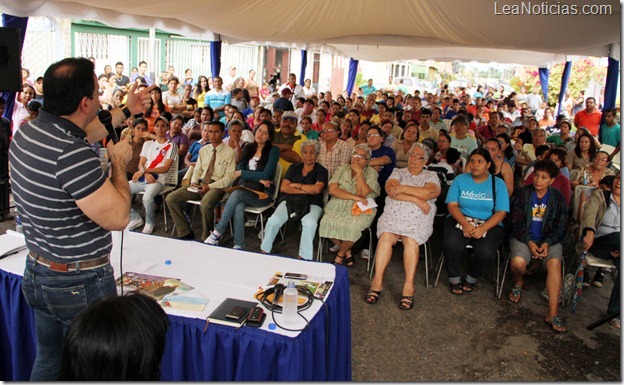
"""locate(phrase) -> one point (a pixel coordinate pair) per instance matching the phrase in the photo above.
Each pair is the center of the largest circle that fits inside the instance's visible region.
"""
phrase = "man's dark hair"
(379, 131)
(425, 111)
(118, 63)
(65, 83)
(117, 339)
(546, 165)
(177, 117)
(560, 153)
(302, 100)
(142, 62)
(236, 90)
(460, 118)
(609, 110)
(218, 123)
(541, 150)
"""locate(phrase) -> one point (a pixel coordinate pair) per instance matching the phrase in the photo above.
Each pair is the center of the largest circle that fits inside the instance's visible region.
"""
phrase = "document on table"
(12, 243)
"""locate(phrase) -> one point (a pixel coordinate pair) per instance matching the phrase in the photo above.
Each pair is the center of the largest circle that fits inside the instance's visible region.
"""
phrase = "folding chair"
(499, 282)
(259, 211)
(319, 252)
(171, 181)
(427, 250)
(590, 260)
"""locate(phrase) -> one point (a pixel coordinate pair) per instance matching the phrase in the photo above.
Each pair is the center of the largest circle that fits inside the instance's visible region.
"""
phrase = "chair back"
(172, 175)
(277, 180)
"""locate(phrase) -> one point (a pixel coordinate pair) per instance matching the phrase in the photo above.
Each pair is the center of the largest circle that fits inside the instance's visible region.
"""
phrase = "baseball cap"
(290, 115)
(286, 91)
(163, 119)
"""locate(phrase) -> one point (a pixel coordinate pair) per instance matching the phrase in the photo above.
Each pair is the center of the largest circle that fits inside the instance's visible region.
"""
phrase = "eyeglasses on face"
(358, 156)
(416, 156)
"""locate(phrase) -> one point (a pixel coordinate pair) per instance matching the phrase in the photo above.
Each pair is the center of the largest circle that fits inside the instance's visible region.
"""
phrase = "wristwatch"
(142, 170)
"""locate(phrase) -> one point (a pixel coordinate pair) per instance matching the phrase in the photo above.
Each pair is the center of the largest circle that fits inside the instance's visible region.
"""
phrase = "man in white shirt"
(295, 89)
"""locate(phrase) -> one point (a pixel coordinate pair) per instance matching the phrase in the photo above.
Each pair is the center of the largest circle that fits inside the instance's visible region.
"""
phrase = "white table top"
(215, 272)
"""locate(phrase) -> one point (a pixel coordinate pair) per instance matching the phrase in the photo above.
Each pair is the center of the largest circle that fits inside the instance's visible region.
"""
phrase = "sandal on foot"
(338, 260)
(349, 260)
(456, 289)
(407, 302)
(515, 295)
(615, 323)
(467, 287)
(556, 324)
(372, 296)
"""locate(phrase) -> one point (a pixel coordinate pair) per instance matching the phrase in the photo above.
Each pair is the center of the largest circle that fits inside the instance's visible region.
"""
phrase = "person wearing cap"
(288, 141)
(283, 103)
(157, 156)
(296, 90)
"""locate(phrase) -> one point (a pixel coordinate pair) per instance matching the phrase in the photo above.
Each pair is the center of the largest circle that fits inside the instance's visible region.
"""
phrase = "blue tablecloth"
(320, 353)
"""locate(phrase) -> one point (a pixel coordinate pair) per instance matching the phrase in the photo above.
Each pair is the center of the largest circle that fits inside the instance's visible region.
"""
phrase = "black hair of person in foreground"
(117, 339)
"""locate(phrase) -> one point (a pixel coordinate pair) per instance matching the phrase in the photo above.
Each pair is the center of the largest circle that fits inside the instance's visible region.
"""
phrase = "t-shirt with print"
(538, 211)
(152, 150)
(475, 199)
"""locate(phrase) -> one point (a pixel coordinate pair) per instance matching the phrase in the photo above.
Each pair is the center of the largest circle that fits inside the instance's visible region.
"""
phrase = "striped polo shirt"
(52, 166)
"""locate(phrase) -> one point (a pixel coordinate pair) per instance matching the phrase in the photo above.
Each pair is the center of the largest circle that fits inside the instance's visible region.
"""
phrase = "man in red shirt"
(589, 117)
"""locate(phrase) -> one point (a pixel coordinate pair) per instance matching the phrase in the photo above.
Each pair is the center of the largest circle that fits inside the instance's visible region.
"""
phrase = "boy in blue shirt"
(610, 131)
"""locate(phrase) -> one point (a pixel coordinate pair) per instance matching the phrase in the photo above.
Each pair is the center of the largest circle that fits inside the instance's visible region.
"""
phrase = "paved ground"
(474, 337)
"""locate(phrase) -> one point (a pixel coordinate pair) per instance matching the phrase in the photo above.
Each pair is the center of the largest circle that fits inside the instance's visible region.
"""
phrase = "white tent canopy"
(365, 29)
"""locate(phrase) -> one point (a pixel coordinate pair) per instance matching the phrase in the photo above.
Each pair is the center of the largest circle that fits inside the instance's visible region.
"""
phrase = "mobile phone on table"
(295, 276)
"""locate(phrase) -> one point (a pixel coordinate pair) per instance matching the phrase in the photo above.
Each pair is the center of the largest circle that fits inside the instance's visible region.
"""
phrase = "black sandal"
(468, 287)
(407, 302)
(456, 289)
(372, 296)
(349, 260)
(338, 260)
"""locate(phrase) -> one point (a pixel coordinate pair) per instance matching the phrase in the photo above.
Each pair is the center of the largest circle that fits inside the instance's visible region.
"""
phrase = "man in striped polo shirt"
(67, 205)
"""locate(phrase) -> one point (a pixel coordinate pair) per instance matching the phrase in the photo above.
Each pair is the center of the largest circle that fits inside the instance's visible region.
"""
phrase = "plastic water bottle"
(585, 177)
(18, 224)
(289, 307)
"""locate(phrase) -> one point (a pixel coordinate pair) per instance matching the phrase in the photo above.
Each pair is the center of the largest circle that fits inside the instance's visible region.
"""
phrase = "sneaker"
(598, 278)
(236, 247)
(148, 229)
(250, 223)
(135, 223)
(213, 238)
(365, 254)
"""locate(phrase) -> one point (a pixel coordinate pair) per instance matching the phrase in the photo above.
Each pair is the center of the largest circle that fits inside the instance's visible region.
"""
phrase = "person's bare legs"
(553, 286)
(410, 263)
(383, 254)
(518, 268)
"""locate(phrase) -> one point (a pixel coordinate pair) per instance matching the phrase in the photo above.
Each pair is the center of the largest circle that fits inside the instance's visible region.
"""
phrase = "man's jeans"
(235, 209)
(309, 223)
(57, 298)
(150, 190)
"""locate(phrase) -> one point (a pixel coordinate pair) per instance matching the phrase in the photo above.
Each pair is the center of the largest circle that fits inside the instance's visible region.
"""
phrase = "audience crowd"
(505, 172)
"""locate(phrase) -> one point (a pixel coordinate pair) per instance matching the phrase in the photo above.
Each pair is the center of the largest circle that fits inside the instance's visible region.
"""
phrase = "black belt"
(72, 266)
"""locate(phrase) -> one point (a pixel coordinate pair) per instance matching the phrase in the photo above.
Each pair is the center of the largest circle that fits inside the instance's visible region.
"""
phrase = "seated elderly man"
(302, 187)
(335, 152)
(538, 226)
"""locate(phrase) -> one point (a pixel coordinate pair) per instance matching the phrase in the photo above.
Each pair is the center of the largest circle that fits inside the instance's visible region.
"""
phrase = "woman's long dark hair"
(509, 150)
(250, 149)
(198, 88)
(161, 105)
(592, 146)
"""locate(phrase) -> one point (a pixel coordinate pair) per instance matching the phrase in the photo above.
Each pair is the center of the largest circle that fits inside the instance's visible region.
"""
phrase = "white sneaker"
(213, 238)
(250, 223)
(135, 223)
(148, 229)
(236, 247)
(365, 254)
